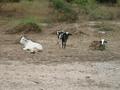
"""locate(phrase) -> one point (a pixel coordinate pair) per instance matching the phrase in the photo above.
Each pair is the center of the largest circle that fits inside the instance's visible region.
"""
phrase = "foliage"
(87, 5)
(24, 26)
(81, 2)
(96, 11)
(107, 1)
(118, 1)
(61, 5)
(9, 0)
(65, 11)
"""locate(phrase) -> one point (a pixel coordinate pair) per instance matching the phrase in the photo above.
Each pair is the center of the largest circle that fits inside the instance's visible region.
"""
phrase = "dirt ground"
(74, 68)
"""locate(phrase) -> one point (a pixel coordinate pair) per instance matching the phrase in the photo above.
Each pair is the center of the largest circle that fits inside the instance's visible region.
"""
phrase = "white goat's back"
(34, 46)
(30, 45)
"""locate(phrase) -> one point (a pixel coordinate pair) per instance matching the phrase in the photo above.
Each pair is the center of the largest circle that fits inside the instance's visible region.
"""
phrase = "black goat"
(63, 37)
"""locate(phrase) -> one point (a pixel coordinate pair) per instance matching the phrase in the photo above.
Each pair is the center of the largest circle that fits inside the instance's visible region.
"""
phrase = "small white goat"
(30, 45)
(100, 45)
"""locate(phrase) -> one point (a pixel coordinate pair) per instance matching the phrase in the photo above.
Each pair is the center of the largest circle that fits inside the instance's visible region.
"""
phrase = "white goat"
(98, 44)
(30, 45)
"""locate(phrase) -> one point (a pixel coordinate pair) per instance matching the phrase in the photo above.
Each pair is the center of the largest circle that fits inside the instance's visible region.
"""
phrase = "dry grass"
(38, 9)
(105, 13)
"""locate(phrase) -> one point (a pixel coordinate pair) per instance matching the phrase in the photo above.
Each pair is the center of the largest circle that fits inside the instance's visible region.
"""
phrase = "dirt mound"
(24, 29)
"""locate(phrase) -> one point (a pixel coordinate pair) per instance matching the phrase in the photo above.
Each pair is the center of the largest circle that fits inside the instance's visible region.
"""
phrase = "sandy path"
(72, 76)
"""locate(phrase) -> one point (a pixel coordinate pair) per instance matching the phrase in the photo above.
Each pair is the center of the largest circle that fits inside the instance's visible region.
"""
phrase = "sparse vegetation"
(96, 11)
(26, 25)
(64, 11)
(118, 2)
(104, 27)
(100, 14)
(9, 0)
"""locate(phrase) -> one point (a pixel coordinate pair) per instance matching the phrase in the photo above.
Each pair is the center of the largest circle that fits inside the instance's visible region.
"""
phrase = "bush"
(69, 1)
(95, 11)
(69, 17)
(9, 0)
(24, 28)
(14, 0)
(118, 1)
(81, 2)
(85, 3)
(61, 6)
(107, 1)
(30, 0)
(65, 11)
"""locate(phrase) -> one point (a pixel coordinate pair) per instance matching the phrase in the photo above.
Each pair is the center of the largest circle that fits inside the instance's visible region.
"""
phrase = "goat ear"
(70, 34)
(21, 36)
(58, 32)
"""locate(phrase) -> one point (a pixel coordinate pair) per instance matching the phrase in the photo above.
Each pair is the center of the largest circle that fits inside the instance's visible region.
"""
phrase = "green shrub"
(69, 17)
(81, 2)
(69, 1)
(65, 11)
(30, 0)
(86, 6)
(14, 0)
(26, 25)
(61, 6)
(91, 8)
(118, 1)
(9, 0)
(85, 3)
(24, 29)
